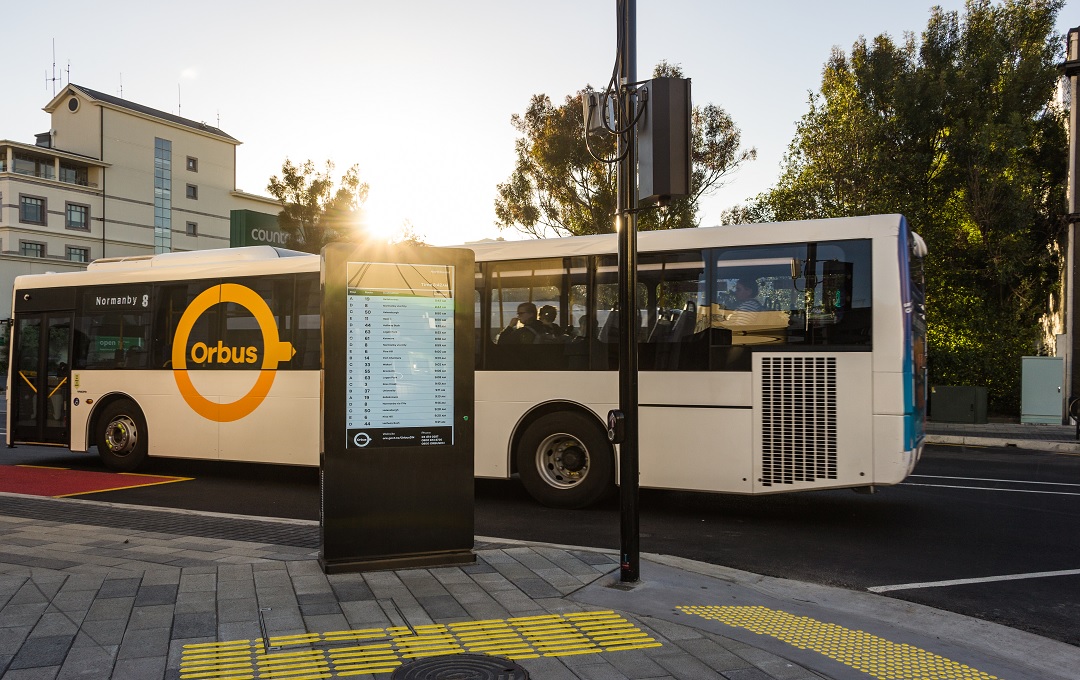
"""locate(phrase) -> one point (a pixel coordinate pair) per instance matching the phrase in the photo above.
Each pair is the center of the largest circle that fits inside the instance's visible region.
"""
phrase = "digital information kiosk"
(396, 471)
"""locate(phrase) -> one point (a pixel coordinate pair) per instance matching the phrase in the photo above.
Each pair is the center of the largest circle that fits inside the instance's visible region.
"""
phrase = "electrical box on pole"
(664, 143)
(595, 108)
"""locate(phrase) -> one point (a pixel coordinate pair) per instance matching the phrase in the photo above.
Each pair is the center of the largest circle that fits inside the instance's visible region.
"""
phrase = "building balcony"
(77, 181)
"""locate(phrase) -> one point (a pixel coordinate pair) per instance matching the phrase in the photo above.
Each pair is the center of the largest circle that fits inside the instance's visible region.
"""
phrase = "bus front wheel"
(121, 436)
(565, 461)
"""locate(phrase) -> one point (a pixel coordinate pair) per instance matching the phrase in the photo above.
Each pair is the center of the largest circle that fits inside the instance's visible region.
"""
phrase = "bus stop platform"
(96, 590)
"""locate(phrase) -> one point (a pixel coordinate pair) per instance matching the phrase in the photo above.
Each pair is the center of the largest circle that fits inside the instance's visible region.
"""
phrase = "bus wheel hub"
(562, 461)
(121, 435)
(572, 459)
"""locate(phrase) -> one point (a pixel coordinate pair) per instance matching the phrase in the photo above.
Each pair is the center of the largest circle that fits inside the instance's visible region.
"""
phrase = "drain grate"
(460, 667)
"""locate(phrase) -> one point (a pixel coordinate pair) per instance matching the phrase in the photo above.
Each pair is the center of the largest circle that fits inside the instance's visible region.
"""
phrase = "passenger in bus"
(525, 329)
(582, 331)
(746, 302)
(552, 332)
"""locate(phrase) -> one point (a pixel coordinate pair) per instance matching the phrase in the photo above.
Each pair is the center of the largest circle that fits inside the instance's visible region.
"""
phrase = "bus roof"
(194, 257)
(702, 237)
(256, 260)
(220, 262)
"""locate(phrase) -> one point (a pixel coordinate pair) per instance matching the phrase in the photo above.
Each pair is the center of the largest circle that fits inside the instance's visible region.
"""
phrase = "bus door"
(41, 378)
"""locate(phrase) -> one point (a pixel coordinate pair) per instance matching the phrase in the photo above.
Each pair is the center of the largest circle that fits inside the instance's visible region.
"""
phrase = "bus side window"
(111, 322)
(170, 302)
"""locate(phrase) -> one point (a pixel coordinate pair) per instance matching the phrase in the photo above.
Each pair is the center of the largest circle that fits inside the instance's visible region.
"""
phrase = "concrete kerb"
(1030, 444)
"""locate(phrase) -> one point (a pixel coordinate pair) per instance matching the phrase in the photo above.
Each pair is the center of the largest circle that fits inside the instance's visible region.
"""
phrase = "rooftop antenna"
(69, 72)
(121, 84)
(178, 99)
(54, 78)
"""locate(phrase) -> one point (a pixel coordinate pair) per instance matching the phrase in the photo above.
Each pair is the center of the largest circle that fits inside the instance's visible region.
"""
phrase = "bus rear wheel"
(121, 436)
(565, 461)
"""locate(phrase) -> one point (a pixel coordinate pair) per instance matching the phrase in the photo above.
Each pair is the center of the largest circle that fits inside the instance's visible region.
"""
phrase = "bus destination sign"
(400, 363)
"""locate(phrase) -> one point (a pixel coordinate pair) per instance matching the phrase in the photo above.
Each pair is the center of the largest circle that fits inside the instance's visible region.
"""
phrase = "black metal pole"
(1072, 270)
(630, 568)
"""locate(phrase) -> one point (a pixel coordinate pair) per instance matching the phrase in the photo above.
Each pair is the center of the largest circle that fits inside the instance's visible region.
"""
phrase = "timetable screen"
(400, 363)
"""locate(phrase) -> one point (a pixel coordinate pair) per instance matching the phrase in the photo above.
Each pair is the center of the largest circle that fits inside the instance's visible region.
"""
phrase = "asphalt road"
(967, 517)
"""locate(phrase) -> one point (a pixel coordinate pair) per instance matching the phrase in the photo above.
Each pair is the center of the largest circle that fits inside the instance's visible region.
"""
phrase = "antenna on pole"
(53, 79)
(69, 72)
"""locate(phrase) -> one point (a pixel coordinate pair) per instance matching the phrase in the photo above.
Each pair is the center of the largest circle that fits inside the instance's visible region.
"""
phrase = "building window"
(192, 228)
(78, 217)
(35, 166)
(78, 254)
(32, 210)
(192, 164)
(162, 195)
(31, 249)
(193, 192)
(74, 174)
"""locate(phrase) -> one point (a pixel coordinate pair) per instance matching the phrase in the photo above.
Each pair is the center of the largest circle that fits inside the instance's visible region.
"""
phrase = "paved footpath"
(93, 590)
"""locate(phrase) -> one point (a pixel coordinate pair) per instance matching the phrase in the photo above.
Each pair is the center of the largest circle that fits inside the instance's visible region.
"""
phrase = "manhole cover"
(460, 667)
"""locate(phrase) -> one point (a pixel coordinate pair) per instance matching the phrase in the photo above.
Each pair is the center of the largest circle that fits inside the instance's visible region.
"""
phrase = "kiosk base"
(418, 561)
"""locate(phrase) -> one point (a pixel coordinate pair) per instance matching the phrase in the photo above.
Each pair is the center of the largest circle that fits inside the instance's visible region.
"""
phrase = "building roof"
(139, 108)
(52, 151)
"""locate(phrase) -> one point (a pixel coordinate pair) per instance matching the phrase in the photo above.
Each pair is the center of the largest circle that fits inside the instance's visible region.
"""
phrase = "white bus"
(773, 357)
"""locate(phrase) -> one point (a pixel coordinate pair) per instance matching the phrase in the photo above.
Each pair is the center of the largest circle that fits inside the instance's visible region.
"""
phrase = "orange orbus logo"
(274, 352)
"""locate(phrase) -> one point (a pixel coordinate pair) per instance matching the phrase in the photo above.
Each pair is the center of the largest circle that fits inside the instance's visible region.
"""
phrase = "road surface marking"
(967, 581)
(875, 656)
(988, 488)
(984, 479)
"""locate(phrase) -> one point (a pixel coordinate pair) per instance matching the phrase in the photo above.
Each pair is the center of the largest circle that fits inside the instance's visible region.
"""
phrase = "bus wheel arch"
(119, 431)
(562, 454)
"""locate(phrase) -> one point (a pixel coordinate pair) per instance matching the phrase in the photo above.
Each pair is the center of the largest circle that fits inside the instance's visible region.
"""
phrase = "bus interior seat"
(668, 354)
(665, 320)
(611, 327)
(684, 323)
(137, 358)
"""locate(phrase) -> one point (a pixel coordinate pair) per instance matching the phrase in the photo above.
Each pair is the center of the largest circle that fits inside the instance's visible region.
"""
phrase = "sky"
(420, 93)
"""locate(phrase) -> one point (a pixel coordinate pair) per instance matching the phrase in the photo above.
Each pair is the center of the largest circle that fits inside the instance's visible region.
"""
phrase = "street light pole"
(630, 568)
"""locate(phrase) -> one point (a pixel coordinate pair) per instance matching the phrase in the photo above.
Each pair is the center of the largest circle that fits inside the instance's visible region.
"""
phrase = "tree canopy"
(558, 188)
(959, 132)
(314, 212)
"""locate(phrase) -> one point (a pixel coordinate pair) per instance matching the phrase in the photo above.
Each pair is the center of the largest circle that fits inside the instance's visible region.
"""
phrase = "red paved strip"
(60, 482)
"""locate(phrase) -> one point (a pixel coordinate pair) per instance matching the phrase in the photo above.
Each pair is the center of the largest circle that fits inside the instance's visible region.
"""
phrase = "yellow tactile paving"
(875, 656)
(381, 650)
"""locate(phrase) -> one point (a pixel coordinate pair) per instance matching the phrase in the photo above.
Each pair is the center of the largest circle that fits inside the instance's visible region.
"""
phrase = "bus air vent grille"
(798, 407)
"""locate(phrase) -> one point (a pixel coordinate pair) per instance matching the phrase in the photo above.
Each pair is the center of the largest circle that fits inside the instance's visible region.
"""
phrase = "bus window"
(113, 327)
(478, 316)
(171, 300)
(303, 327)
(766, 297)
(242, 333)
(540, 339)
(607, 313)
(677, 313)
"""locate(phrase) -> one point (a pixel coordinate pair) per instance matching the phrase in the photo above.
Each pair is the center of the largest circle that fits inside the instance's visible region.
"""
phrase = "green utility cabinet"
(958, 404)
(1041, 396)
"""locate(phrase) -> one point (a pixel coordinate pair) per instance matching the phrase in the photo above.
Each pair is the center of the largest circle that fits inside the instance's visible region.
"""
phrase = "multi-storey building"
(112, 178)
